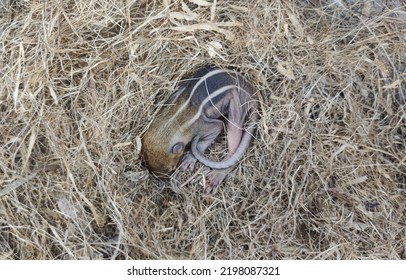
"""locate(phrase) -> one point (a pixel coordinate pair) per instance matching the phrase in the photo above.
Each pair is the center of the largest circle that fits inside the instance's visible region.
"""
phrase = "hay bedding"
(324, 179)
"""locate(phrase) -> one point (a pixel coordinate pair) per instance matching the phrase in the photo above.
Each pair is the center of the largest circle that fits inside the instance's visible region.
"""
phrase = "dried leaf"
(342, 148)
(208, 27)
(67, 208)
(357, 181)
(182, 16)
(295, 22)
(393, 85)
(119, 145)
(31, 142)
(212, 48)
(285, 69)
(201, 3)
(138, 144)
(53, 94)
(16, 184)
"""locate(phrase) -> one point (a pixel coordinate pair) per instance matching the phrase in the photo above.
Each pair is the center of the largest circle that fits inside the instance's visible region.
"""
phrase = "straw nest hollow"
(324, 178)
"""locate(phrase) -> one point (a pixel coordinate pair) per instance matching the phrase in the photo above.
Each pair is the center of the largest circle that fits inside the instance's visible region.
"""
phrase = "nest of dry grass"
(325, 177)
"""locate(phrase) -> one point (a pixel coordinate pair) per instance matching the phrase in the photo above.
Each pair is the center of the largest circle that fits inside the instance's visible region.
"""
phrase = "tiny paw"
(188, 162)
(214, 178)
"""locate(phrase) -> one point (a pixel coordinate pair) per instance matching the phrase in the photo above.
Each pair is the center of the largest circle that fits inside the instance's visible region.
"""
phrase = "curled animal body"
(194, 116)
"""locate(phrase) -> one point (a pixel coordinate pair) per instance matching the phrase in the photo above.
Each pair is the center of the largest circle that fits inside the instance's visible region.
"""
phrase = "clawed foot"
(214, 178)
(188, 162)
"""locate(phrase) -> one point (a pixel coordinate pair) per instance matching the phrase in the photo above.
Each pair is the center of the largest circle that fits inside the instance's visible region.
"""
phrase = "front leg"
(210, 130)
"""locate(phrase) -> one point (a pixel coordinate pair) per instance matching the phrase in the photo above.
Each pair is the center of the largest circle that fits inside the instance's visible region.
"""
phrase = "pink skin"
(210, 99)
(214, 178)
(235, 122)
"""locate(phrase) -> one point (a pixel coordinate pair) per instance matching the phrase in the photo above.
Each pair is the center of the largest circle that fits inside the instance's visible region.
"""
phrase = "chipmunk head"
(162, 151)
(164, 143)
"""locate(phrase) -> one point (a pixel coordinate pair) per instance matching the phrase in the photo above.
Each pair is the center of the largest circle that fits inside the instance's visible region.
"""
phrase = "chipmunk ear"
(178, 148)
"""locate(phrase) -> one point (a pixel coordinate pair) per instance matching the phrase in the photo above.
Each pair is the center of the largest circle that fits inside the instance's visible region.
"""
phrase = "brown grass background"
(325, 177)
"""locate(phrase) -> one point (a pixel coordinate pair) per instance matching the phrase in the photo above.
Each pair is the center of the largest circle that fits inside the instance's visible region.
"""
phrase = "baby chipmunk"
(194, 117)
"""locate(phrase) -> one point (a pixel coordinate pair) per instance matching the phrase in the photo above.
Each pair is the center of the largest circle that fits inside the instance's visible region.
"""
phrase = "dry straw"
(325, 177)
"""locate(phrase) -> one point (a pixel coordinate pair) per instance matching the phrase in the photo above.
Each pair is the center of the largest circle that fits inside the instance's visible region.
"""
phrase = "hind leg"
(235, 122)
(213, 179)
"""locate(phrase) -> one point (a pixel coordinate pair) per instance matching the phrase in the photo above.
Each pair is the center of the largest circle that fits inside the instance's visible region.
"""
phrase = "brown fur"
(195, 115)
(157, 156)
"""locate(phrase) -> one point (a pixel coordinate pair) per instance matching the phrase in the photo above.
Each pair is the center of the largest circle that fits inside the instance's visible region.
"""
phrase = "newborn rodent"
(194, 116)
